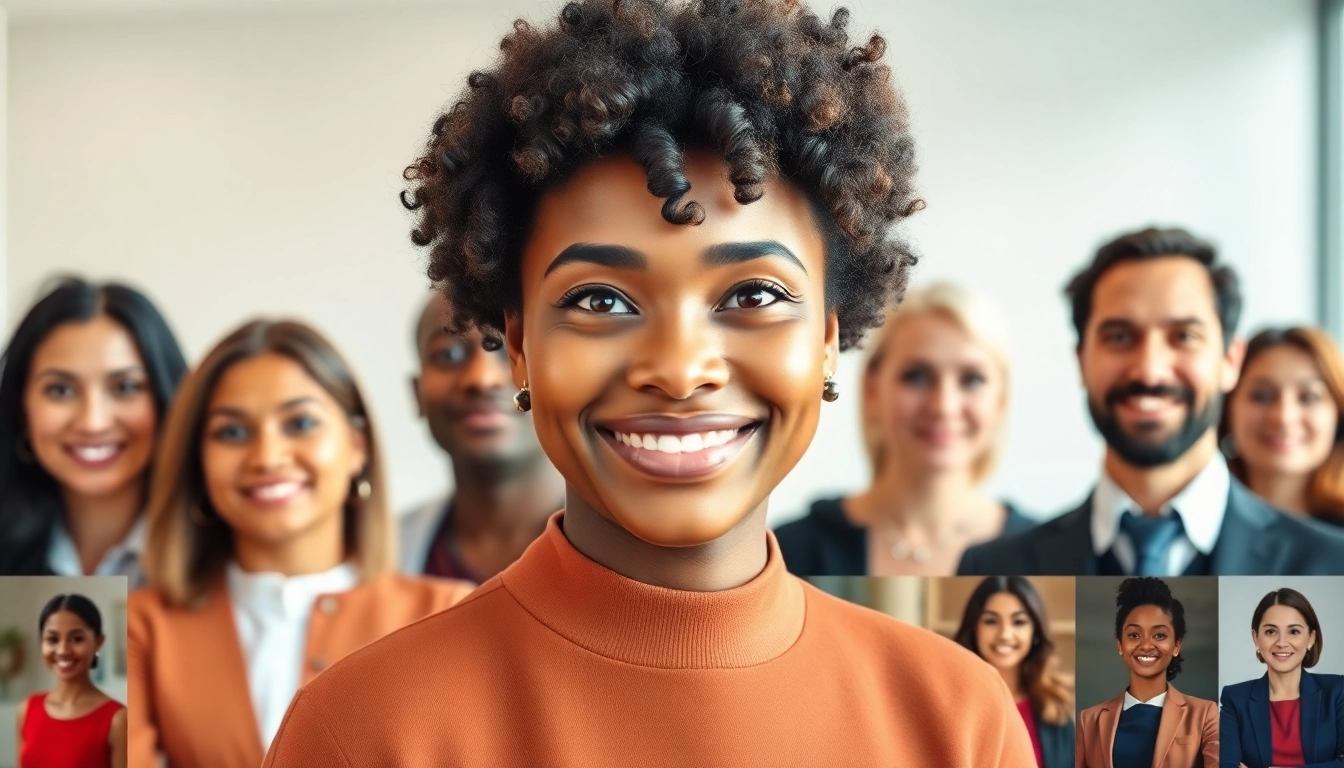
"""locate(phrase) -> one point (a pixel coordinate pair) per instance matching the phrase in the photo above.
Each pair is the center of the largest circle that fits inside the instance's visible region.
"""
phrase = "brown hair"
(187, 545)
(1050, 691)
(1298, 602)
(1325, 490)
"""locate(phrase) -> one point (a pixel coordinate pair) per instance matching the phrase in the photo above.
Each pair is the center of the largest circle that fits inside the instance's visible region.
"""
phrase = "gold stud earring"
(364, 489)
(523, 400)
(830, 391)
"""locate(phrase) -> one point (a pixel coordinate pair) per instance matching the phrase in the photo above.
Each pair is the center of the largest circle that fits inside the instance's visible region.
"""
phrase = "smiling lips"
(1144, 660)
(96, 456)
(678, 448)
(64, 665)
(274, 494)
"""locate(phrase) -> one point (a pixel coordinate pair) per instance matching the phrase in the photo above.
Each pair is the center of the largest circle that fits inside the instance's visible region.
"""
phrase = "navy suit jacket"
(1056, 743)
(1255, 540)
(1244, 727)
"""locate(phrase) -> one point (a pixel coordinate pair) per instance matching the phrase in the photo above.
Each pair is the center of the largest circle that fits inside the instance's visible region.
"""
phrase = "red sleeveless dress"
(79, 743)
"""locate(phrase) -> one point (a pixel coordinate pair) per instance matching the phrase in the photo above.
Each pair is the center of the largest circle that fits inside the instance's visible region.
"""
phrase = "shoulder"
(1195, 703)
(824, 529)
(824, 515)
(414, 590)
(1016, 521)
(1332, 684)
(1238, 691)
(1090, 715)
(1016, 552)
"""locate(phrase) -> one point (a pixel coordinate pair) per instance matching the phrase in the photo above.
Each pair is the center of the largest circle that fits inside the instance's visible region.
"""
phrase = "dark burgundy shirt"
(1285, 720)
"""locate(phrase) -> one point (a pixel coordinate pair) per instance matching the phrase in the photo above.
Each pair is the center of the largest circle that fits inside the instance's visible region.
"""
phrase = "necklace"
(899, 548)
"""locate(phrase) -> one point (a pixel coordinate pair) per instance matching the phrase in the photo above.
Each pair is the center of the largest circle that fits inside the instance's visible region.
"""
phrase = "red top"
(1285, 728)
(1029, 717)
(49, 742)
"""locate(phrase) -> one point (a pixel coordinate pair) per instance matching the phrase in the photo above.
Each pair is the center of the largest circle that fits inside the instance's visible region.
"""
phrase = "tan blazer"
(1186, 738)
(187, 682)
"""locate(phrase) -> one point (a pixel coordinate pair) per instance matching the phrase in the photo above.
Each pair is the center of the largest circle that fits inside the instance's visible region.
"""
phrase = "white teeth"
(275, 491)
(1149, 403)
(691, 443)
(95, 453)
(1147, 659)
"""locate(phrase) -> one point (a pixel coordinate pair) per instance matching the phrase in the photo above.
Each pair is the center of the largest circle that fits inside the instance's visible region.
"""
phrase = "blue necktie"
(1152, 537)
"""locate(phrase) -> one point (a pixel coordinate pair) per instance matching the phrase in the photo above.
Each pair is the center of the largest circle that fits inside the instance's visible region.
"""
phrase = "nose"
(95, 413)
(1282, 410)
(484, 371)
(946, 397)
(680, 356)
(1155, 362)
(270, 449)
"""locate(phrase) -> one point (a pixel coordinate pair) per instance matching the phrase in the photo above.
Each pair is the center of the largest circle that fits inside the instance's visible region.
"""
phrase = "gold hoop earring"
(830, 391)
(1259, 657)
(523, 400)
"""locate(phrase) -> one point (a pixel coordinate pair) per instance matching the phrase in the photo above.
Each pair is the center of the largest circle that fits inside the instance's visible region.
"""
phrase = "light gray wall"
(1237, 598)
(248, 162)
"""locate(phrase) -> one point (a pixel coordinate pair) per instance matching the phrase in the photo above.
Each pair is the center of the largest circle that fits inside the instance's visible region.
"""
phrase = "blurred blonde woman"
(935, 397)
(269, 549)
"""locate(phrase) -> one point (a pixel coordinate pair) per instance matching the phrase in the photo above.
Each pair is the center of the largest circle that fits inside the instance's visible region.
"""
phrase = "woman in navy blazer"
(1288, 717)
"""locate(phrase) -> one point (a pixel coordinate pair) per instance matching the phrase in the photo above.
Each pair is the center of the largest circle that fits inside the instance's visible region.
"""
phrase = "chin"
(676, 525)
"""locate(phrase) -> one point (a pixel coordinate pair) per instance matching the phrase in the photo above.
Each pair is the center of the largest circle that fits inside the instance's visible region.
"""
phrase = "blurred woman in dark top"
(935, 394)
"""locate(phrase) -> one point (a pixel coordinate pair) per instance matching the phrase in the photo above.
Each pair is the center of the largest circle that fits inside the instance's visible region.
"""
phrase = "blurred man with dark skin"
(504, 486)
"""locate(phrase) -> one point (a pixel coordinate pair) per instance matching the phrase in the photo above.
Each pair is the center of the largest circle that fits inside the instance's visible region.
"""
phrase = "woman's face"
(937, 393)
(90, 412)
(1283, 638)
(1282, 416)
(676, 371)
(278, 453)
(69, 645)
(1004, 631)
(1148, 642)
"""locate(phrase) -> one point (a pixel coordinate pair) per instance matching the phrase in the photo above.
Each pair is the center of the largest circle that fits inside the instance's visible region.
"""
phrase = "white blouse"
(272, 612)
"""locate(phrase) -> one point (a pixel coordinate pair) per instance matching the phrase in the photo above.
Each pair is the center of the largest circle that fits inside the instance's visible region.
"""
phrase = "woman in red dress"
(74, 725)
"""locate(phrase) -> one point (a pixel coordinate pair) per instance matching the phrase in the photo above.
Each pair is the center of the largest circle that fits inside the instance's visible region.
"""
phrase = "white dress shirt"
(1156, 701)
(123, 559)
(272, 612)
(1202, 503)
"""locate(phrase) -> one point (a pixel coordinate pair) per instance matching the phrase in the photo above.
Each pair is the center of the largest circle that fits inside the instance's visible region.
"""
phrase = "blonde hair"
(187, 545)
(978, 318)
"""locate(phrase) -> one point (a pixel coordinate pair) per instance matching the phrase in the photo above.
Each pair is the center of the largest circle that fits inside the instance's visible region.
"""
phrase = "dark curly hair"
(1148, 590)
(766, 84)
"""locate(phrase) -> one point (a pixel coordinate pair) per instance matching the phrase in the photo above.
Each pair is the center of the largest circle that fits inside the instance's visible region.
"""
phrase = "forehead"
(89, 346)
(265, 381)
(1284, 363)
(1147, 616)
(1004, 602)
(1283, 616)
(63, 621)
(1152, 291)
(934, 336)
(608, 202)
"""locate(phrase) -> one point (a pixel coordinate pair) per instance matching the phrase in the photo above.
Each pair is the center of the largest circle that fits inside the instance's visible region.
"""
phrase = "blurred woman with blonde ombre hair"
(269, 549)
(1282, 430)
(934, 402)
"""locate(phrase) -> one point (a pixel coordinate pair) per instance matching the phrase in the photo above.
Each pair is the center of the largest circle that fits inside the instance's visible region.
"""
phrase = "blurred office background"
(22, 671)
(235, 157)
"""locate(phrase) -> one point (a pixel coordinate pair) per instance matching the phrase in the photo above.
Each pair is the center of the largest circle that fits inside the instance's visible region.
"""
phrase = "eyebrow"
(724, 254)
(225, 410)
(1119, 322)
(614, 256)
(1276, 626)
(61, 372)
(1155, 626)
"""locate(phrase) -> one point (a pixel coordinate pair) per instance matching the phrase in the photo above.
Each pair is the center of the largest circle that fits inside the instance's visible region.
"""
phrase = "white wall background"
(244, 162)
(1237, 598)
(21, 601)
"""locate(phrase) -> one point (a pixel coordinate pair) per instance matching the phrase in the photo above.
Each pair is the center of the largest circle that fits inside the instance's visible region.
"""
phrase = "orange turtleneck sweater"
(560, 661)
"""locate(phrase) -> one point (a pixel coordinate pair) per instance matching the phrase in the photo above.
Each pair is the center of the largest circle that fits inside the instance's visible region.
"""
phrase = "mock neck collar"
(626, 620)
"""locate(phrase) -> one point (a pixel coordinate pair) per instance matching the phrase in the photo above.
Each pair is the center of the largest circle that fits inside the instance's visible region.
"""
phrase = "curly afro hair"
(766, 84)
(1148, 590)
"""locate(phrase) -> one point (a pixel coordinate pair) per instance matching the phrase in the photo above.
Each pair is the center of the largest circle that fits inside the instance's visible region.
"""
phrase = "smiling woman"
(268, 549)
(673, 216)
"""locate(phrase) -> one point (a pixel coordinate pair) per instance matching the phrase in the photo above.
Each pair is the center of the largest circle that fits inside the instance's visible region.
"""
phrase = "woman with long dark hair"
(1005, 624)
(1150, 723)
(674, 215)
(74, 725)
(84, 383)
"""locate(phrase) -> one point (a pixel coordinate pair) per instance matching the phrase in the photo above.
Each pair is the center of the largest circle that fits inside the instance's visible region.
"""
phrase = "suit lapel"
(1174, 713)
(1310, 703)
(223, 681)
(1107, 721)
(1259, 711)
(1243, 546)
(1067, 549)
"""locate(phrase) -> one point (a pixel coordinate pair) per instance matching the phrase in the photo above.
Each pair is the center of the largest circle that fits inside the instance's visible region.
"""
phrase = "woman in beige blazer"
(269, 550)
(1150, 724)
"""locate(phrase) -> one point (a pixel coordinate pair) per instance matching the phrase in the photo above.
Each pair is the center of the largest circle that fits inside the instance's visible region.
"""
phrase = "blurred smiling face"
(676, 370)
(90, 413)
(466, 394)
(1004, 632)
(1153, 359)
(1283, 417)
(69, 645)
(1283, 638)
(278, 452)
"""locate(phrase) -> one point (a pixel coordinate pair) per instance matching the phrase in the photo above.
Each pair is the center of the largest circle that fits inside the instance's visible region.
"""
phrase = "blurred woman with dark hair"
(269, 549)
(74, 725)
(1005, 624)
(1281, 429)
(84, 383)
(1287, 716)
(1150, 723)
